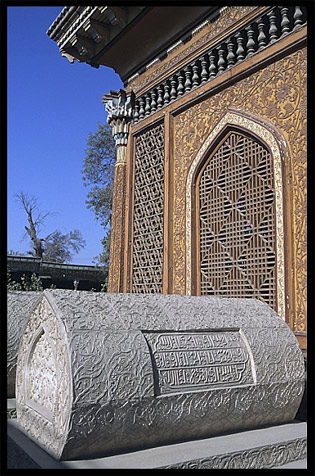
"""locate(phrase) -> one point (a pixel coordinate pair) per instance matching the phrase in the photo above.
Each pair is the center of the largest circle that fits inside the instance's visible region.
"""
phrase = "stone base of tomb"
(281, 446)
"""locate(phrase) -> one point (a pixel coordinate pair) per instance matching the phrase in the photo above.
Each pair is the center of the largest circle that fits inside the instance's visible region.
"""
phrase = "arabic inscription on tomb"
(199, 360)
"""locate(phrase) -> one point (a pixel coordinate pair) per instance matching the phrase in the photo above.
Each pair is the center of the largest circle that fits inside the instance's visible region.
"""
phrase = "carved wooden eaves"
(81, 33)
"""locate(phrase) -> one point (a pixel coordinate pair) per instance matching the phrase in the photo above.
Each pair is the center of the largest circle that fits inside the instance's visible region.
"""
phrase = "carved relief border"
(260, 131)
(268, 456)
(117, 228)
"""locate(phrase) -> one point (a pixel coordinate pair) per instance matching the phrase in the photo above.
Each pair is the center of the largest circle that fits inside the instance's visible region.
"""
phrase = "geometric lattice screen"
(237, 221)
(147, 274)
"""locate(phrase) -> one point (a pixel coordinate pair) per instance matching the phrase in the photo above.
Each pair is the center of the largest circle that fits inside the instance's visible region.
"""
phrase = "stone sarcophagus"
(104, 373)
(19, 306)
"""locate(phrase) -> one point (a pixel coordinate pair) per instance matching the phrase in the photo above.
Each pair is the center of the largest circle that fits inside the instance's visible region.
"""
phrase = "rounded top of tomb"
(99, 311)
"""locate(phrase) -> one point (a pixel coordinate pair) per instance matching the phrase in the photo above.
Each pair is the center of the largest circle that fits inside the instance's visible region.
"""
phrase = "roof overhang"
(125, 38)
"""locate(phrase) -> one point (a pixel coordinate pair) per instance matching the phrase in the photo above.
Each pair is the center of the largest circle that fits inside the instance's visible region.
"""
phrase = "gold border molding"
(231, 118)
(121, 155)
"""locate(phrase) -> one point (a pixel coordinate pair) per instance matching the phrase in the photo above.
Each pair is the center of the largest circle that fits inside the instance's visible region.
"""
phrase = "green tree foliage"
(15, 253)
(33, 283)
(104, 256)
(56, 246)
(60, 247)
(98, 173)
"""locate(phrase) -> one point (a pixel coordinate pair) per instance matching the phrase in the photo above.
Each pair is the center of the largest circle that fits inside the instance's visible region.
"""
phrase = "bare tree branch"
(35, 219)
(55, 246)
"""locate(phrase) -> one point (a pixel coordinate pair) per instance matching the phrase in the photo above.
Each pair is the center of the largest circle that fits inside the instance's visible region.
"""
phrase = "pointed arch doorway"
(234, 241)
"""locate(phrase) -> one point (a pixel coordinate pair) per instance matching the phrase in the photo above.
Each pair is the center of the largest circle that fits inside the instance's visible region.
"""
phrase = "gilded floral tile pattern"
(278, 94)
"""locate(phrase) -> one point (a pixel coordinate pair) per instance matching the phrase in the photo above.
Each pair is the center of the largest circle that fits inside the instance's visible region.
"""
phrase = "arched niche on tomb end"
(235, 212)
(43, 378)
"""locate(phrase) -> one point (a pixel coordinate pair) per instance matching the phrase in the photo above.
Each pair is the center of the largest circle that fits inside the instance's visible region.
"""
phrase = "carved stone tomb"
(99, 374)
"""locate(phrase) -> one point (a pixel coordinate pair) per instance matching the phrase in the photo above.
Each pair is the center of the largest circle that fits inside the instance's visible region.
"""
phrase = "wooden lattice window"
(147, 276)
(237, 240)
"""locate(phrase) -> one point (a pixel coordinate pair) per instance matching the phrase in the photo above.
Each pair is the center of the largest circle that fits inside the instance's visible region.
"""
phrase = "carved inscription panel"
(188, 361)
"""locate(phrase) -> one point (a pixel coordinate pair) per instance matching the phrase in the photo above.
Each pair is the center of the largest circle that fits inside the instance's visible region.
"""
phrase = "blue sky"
(52, 105)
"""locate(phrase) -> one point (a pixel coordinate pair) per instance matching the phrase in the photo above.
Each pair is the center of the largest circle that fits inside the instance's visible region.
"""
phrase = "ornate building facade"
(210, 178)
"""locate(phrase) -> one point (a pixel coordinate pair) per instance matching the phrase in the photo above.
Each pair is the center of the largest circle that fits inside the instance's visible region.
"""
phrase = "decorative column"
(119, 108)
